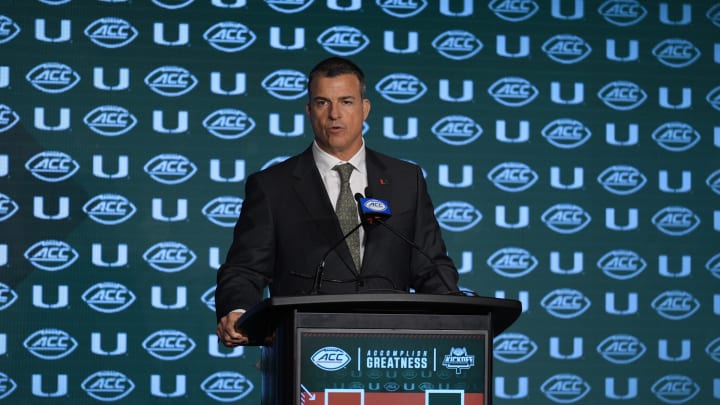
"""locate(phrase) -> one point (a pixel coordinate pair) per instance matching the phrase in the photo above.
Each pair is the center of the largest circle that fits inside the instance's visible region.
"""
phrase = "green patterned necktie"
(346, 210)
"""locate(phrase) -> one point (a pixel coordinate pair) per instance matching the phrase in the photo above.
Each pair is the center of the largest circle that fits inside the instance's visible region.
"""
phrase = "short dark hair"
(336, 66)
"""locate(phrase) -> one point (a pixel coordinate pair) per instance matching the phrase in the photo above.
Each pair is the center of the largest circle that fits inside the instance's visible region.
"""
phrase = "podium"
(372, 349)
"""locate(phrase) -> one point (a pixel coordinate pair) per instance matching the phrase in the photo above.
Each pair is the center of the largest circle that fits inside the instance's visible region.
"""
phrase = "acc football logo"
(566, 133)
(7, 297)
(621, 349)
(111, 32)
(622, 180)
(675, 305)
(621, 264)
(285, 84)
(53, 77)
(208, 298)
(169, 257)
(676, 136)
(566, 49)
(401, 88)
(7, 385)
(457, 216)
(51, 255)
(170, 168)
(50, 166)
(512, 262)
(223, 211)
(566, 218)
(675, 221)
(457, 130)
(675, 389)
(168, 344)
(8, 30)
(713, 14)
(108, 297)
(330, 358)
(8, 207)
(713, 350)
(110, 120)
(343, 40)
(171, 81)
(622, 13)
(401, 9)
(172, 4)
(8, 118)
(513, 177)
(514, 11)
(565, 388)
(289, 6)
(513, 347)
(676, 52)
(457, 44)
(229, 36)
(713, 97)
(227, 386)
(50, 344)
(713, 181)
(109, 209)
(107, 386)
(713, 265)
(229, 123)
(565, 303)
(622, 95)
(513, 91)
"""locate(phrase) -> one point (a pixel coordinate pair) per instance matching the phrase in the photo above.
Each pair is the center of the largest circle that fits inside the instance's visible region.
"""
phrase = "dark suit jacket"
(287, 224)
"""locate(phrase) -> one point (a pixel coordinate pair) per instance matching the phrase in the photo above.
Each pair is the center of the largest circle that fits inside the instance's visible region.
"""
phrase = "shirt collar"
(325, 161)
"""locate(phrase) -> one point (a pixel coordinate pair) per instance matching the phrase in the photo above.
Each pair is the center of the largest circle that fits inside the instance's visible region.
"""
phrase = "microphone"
(317, 280)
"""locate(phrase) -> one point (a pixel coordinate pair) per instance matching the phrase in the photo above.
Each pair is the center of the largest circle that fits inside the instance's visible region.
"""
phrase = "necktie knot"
(345, 170)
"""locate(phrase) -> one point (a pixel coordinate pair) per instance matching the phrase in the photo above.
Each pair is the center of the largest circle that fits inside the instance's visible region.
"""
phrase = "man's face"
(336, 111)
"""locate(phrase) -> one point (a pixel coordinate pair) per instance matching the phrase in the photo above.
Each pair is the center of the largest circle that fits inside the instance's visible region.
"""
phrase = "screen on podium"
(391, 366)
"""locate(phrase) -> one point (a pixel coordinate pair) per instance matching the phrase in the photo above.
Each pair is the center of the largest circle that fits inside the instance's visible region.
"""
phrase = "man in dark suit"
(288, 226)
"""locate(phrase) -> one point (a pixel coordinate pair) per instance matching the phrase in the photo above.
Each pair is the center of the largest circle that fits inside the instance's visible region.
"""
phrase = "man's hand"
(227, 333)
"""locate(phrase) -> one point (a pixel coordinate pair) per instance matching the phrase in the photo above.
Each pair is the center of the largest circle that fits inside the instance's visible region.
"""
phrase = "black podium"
(371, 349)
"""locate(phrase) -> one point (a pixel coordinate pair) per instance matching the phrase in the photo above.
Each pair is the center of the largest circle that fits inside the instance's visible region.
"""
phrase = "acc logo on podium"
(330, 358)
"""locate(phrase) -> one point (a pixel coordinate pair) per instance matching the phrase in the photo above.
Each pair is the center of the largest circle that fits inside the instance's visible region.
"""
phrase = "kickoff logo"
(512, 262)
(110, 120)
(621, 264)
(457, 216)
(566, 133)
(566, 218)
(229, 36)
(343, 40)
(50, 344)
(621, 349)
(107, 386)
(53, 77)
(171, 81)
(223, 211)
(565, 303)
(50, 166)
(227, 386)
(513, 347)
(51, 255)
(169, 168)
(108, 297)
(622, 179)
(401, 88)
(169, 257)
(111, 32)
(565, 388)
(168, 344)
(109, 209)
(8, 118)
(8, 207)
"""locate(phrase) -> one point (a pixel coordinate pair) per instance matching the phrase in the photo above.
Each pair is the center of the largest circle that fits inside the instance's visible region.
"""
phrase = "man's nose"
(333, 111)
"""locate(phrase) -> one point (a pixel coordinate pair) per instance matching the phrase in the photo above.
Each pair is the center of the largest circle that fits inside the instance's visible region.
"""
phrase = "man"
(288, 227)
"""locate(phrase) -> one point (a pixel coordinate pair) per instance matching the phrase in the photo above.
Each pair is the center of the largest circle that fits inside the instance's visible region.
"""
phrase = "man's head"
(337, 106)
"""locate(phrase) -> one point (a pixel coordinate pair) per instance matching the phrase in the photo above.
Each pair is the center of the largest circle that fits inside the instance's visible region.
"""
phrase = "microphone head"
(373, 209)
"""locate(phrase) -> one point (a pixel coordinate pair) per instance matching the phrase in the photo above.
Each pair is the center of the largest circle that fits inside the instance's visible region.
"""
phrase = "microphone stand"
(317, 282)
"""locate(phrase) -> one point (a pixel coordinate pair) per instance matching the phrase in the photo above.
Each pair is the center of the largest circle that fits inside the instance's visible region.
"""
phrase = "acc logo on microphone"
(565, 303)
(566, 133)
(513, 11)
(171, 81)
(108, 297)
(51, 255)
(107, 385)
(713, 265)
(229, 123)
(713, 181)
(401, 88)
(53, 77)
(566, 218)
(513, 177)
(675, 305)
(168, 344)
(621, 264)
(285, 84)
(622, 95)
(566, 49)
(109, 209)
(229, 36)
(513, 91)
(512, 262)
(457, 130)
(50, 344)
(457, 44)
(621, 349)
(110, 120)
(676, 52)
(8, 207)
(223, 211)
(169, 257)
(111, 32)
(565, 388)
(622, 179)
(7, 385)
(8, 118)
(675, 389)
(330, 358)
(8, 30)
(457, 216)
(51, 166)
(675, 221)
(402, 9)
(170, 168)
(622, 13)
(7, 297)
(513, 347)
(343, 40)
(676, 136)
(227, 386)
